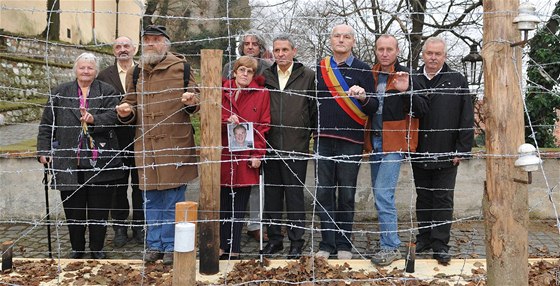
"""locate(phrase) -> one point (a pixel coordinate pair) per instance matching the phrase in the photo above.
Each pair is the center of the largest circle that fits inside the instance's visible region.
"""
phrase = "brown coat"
(165, 152)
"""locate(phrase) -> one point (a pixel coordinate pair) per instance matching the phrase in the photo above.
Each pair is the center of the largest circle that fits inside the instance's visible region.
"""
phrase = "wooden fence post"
(211, 144)
(184, 263)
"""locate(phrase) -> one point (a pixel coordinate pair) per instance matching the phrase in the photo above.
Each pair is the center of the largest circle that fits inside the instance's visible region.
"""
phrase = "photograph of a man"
(240, 136)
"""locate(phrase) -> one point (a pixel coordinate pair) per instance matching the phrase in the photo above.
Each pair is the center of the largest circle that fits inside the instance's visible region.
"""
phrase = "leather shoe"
(226, 256)
(152, 256)
(98, 255)
(75, 254)
(121, 237)
(168, 258)
(422, 246)
(442, 256)
(295, 252)
(272, 248)
(256, 235)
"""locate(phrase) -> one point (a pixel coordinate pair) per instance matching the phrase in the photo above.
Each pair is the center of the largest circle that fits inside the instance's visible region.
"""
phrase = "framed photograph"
(240, 136)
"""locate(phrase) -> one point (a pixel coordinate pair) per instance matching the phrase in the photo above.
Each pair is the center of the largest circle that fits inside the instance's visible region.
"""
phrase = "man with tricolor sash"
(345, 95)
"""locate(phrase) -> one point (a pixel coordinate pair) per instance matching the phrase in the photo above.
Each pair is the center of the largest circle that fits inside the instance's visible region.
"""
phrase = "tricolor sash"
(337, 86)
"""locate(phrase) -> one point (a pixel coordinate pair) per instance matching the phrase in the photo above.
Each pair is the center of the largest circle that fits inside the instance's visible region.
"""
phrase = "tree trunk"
(164, 11)
(151, 6)
(418, 10)
(505, 202)
(52, 30)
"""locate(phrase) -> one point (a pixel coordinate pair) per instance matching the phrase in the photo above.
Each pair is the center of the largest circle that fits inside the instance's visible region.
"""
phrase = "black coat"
(60, 128)
(447, 130)
(125, 133)
(293, 111)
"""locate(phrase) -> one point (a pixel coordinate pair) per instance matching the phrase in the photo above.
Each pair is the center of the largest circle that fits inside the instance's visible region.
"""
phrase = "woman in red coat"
(244, 99)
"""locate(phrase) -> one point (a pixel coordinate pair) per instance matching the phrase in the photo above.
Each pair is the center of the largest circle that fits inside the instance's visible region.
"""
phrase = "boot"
(138, 234)
(121, 237)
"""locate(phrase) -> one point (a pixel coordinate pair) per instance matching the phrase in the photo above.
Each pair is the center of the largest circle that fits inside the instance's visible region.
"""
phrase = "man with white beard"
(160, 104)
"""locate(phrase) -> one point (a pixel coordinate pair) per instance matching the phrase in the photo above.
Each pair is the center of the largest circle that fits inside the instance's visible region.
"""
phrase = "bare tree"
(411, 21)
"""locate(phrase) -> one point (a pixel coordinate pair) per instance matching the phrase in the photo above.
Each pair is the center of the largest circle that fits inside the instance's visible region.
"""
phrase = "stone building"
(30, 65)
(81, 22)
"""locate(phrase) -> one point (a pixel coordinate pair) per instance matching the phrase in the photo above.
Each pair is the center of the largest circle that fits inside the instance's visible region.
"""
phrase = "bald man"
(345, 94)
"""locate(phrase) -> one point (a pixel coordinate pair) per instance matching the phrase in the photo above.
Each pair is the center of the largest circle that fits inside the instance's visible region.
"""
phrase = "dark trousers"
(233, 205)
(337, 175)
(284, 180)
(89, 204)
(434, 205)
(120, 206)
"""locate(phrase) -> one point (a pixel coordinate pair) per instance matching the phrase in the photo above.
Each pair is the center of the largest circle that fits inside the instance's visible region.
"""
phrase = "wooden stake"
(184, 263)
(505, 202)
(7, 251)
(210, 143)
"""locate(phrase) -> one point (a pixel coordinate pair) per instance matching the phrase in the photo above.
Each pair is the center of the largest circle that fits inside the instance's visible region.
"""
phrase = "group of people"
(94, 136)
(345, 106)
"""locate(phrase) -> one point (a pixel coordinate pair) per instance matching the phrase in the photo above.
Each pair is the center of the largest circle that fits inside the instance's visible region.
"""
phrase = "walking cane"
(261, 205)
(46, 183)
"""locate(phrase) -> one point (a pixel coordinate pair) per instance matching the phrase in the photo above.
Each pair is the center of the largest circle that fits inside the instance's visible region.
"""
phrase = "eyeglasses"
(245, 70)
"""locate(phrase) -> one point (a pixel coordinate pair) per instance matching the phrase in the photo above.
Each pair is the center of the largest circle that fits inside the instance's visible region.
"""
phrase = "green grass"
(34, 102)
(26, 146)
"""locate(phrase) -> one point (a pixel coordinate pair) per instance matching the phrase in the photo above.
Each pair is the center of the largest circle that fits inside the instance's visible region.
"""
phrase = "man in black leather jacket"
(445, 137)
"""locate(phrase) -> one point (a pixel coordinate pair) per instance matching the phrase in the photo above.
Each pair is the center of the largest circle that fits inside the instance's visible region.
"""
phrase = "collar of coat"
(256, 83)
(273, 68)
(376, 70)
(445, 69)
(169, 60)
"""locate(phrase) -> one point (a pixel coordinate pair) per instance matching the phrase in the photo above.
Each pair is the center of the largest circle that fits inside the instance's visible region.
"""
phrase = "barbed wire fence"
(310, 28)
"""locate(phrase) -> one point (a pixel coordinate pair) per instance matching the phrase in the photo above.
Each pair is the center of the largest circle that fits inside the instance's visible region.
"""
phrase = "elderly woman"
(244, 99)
(77, 138)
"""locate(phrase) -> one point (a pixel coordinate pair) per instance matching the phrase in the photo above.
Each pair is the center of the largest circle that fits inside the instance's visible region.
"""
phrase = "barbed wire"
(406, 227)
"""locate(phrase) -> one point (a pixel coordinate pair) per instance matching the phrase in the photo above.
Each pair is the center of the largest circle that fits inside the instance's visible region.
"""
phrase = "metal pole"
(46, 184)
(261, 199)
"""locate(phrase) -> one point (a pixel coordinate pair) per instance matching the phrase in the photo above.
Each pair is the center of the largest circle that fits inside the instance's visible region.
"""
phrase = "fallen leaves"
(315, 271)
(544, 273)
(89, 272)
(306, 271)
(31, 272)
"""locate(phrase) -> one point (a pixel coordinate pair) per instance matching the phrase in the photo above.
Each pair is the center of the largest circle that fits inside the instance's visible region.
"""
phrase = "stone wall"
(29, 69)
(23, 193)
(28, 114)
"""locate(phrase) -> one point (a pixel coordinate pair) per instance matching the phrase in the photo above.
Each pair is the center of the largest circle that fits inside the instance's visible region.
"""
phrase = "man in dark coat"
(115, 75)
(293, 112)
(445, 137)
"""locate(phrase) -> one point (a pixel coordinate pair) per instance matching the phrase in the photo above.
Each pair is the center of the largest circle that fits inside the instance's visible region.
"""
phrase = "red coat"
(252, 105)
